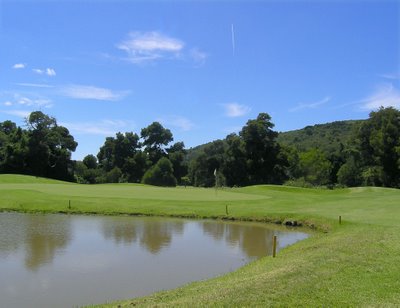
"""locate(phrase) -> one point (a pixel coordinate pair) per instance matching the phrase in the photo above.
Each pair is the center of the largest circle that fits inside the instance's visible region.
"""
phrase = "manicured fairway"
(353, 264)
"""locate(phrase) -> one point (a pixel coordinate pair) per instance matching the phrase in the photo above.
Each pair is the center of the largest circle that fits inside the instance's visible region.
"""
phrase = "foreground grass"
(353, 264)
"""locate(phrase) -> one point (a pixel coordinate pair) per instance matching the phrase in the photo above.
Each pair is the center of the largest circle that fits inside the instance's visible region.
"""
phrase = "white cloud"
(390, 76)
(103, 128)
(8, 103)
(18, 113)
(198, 56)
(182, 123)
(37, 102)
(310, 105)
(19, 66)
(384, 96)
(233, 110)
(48, 71)
(34, 85)
(91, 92)
(143, 47)
(38, 71)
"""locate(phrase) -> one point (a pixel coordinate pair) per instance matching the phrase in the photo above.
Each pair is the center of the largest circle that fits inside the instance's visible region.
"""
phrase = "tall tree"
(176, 154)
(261, 149)
(50, 147)
(235, 166)
(379, 143)
(156, 137)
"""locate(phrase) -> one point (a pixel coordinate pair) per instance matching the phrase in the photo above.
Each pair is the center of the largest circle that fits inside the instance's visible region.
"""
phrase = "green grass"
(353, 264)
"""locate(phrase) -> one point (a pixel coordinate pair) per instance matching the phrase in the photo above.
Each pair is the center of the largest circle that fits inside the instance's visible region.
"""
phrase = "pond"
(66, 260)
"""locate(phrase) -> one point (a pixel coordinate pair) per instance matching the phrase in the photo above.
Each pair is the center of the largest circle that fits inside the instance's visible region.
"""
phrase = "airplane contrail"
(233, 41)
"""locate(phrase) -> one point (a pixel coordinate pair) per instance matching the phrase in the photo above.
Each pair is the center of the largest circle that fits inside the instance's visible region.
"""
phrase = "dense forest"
(344, 153)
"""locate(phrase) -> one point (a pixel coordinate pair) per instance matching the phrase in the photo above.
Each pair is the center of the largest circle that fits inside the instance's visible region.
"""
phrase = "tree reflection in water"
(152, 233)
(40, 236)
(253, 240)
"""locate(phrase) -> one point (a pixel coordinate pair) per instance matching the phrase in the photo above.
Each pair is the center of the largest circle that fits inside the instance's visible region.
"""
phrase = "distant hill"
(329, 137)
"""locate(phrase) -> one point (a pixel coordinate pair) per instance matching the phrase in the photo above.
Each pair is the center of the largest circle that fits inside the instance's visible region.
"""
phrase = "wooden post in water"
(274, 246)
(340, 220)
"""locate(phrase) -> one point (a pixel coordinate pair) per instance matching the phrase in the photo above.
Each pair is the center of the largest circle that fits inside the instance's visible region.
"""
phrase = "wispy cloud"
(103, 128)
(19, 66)
(198, 56)
(142, 47)
(48, 71)
(34, 85)
(310, 105)
(18, 113)
(92, 92)
(180, 122)
(27, 101)
(385, 95)
(390, 76)
(234, 110)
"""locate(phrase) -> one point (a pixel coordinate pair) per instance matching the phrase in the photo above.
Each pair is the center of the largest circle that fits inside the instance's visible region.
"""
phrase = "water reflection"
(46, 237)
(68, 261)
(41, 237)
(252, 239)
(153, 234)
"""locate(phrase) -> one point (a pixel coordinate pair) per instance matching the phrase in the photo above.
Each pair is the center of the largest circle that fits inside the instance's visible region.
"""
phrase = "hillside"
(329, 137)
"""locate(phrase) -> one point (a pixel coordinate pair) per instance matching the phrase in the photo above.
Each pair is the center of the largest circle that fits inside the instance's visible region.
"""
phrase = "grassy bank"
(353, 264)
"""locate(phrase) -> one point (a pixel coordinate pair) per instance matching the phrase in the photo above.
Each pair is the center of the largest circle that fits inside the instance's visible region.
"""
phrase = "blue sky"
(201, 68)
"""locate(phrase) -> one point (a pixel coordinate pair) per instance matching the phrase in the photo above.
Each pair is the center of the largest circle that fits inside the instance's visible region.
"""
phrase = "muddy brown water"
(67, 261)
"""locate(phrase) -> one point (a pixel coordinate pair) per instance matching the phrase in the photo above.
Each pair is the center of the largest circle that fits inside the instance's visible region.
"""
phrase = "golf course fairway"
(355, 263)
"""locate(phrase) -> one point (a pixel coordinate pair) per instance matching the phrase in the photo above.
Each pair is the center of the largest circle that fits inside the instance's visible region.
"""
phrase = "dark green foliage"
(349, 174)
(329, 137)
(123, 152)
(201, 170)
(315, 168)
(261, 149)
(90, 161)
(235, 167)
(155, 137)
(379, 145)
(176, 154)
(42, 150)
(161, 174)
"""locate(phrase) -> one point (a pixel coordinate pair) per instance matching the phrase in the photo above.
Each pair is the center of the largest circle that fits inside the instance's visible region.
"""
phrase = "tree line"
(253, 156)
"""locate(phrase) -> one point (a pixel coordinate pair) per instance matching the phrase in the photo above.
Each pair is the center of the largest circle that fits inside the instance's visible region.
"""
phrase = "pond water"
(67, 261)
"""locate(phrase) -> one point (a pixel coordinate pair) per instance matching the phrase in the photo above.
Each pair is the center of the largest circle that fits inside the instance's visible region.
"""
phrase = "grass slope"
(353, 264)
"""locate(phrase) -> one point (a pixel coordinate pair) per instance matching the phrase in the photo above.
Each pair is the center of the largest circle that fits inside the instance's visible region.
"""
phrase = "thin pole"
(274, 246)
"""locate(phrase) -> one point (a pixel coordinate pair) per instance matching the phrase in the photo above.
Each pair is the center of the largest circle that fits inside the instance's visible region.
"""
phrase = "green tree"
(90, 161)
(123, 152)
(235, 166)
(161, 174)
(176, 154)
(379, 144)
(201, 169)
(49, 147)
(155, 138)
(261, 149)
(349, 173)
(13, 148)
(315, 167)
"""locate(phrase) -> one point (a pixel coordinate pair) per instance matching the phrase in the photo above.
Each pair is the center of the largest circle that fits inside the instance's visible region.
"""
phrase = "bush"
(161, 174)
